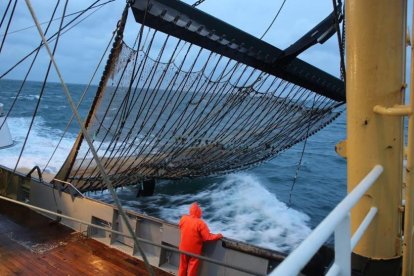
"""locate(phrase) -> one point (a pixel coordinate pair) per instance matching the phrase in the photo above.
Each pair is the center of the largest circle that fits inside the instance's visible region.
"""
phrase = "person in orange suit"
(194, 231)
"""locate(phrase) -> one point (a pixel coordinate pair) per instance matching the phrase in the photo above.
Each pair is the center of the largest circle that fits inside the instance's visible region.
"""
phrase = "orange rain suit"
(194, 231)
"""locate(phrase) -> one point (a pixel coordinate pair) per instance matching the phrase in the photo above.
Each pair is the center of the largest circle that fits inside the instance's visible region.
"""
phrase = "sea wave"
(38, 148)
(238, 205)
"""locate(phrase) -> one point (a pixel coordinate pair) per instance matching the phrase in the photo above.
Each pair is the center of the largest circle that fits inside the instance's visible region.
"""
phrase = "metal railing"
(337, 222)
(145, 241)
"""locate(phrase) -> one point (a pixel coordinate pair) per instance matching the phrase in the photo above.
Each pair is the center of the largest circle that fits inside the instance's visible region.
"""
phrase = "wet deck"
(31, 244)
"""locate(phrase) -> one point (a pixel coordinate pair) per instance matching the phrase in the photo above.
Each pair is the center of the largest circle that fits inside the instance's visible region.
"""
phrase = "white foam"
(40, 145)
(242, 208)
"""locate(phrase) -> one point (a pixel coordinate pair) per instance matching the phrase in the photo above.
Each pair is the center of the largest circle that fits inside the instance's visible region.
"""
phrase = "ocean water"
(260, 206)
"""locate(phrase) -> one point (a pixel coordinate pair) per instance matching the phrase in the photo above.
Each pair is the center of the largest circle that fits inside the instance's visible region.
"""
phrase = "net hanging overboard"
(172, 109)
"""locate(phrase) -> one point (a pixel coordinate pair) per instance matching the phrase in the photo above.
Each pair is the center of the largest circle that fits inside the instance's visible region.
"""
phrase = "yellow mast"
(375, 77)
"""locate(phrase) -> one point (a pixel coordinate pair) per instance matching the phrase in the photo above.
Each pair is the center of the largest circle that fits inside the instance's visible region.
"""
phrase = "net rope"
(171, 109)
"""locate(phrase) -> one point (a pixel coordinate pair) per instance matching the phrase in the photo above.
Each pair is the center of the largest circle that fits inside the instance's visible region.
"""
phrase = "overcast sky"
(81, 47)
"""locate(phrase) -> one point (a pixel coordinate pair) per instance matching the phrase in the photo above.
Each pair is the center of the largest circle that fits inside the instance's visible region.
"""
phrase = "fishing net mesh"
(170, 109)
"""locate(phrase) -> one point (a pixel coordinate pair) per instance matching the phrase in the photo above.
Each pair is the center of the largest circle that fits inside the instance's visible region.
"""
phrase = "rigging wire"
(46, 22)
(274, 19)
(8, 24)
(300, 159)
(5, 13)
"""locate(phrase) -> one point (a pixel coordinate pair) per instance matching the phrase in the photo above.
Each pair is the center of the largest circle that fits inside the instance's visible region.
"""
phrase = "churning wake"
(238, 206)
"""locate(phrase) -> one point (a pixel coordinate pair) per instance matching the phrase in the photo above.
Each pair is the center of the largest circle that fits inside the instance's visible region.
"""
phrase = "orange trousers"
(188, 266)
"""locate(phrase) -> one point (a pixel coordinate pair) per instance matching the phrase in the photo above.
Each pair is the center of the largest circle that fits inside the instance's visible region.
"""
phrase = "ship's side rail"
(337, 223)
(158, 239)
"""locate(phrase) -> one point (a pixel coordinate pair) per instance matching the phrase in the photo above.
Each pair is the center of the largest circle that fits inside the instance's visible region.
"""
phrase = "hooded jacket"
(194, 231)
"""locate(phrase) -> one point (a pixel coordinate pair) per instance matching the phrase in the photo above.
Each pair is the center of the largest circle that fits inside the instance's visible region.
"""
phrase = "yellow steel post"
(408, 262)
(375, 58)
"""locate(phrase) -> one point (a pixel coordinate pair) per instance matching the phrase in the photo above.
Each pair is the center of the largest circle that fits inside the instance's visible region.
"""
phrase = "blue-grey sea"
(259, 206)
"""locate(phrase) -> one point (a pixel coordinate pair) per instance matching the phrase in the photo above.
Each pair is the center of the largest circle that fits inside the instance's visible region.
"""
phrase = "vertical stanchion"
(343, 246)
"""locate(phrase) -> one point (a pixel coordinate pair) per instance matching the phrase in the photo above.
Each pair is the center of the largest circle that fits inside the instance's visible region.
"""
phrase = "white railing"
(337, 222)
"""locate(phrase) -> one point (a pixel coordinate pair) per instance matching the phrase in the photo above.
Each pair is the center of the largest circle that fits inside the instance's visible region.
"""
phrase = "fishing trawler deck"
(33, 244)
